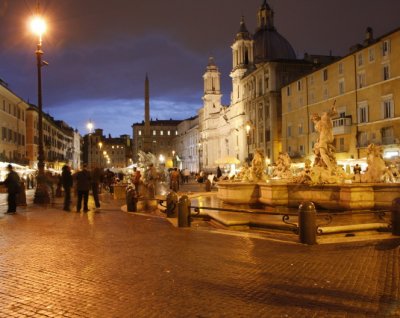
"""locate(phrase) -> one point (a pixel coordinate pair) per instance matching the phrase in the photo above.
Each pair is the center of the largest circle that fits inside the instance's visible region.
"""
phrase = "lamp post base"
(41, 194)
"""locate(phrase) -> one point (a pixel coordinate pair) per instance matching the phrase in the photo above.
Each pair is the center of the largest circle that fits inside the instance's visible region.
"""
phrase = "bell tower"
(242, 59)
(212, 88)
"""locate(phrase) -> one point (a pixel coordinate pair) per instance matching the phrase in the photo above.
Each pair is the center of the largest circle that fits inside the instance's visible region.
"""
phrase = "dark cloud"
(99, 51)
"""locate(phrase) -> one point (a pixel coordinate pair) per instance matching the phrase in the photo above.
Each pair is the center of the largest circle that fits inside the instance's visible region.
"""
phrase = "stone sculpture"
(282, 169)
(376, 166)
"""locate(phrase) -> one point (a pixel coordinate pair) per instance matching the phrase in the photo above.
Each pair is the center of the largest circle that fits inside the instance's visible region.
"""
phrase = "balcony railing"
(341, 126)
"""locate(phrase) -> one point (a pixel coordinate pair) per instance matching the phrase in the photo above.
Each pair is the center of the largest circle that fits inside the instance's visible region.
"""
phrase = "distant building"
(107, 152)
(365, 85)
(58, 140)
(187, 145)
(155, 136)
(13, 126)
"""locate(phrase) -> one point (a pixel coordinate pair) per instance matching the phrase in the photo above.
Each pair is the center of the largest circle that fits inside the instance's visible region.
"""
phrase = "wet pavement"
(116, 264)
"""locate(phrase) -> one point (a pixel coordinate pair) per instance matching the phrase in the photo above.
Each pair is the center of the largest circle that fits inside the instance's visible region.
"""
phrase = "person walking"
(174, 179)
(97, 176)
(136, 179)
(83, 182)
(12, 183)
(66, 180)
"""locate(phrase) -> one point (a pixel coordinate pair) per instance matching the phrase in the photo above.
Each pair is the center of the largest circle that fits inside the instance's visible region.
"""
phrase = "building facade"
(187, 145)
(261, 65)
(365, 88)
(13, 126)
(58, 140)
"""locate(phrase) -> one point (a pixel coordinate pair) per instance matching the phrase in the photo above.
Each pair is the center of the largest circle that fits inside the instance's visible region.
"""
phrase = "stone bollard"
(396, 216)
(307, 223)
(131, 200)
(184, 211)
(172, 205)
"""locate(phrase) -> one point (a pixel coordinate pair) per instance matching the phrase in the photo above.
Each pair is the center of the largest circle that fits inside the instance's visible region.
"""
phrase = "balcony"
(341, 126)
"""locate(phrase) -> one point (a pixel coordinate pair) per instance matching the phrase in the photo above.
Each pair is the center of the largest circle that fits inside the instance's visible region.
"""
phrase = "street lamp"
(248, 128)
(199, 149)
(38, 27)
(89, 126)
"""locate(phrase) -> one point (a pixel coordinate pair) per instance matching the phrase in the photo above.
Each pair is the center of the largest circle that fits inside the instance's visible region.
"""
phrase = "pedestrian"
(97, 176)
(12, 183)
(219, 172)
(357, 169)
(186, 174)
(83, 183)
(174, 179)
(136, 178)
(66, 180)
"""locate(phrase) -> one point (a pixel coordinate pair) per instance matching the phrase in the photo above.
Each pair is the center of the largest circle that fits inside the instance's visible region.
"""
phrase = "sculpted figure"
(323, 149)
(258, 166)
(376, 165)
(282, 169)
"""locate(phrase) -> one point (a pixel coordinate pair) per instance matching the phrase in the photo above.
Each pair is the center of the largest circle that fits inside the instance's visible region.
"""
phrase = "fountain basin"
(238, 192)
(354, 196)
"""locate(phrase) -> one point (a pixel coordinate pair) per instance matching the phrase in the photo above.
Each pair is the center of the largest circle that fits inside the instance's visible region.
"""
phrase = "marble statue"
(282, 168)
(377, 169)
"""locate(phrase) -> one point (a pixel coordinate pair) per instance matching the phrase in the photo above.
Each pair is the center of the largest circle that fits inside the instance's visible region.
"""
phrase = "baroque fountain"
(324, 182)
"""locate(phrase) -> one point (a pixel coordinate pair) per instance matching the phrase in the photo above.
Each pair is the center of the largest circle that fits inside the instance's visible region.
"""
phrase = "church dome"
(269, 44)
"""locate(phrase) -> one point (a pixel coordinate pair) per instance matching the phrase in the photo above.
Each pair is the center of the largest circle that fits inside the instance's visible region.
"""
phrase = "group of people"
(83, 180)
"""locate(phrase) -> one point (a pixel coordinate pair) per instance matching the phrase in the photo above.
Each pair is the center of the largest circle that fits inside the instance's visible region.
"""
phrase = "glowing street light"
(38, 27)
(248, 127)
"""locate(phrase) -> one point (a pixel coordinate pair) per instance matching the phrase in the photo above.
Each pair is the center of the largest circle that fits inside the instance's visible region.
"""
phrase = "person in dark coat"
(219, 172)
(12, 183)
(66, 180)
(83, 183)
(97, 176)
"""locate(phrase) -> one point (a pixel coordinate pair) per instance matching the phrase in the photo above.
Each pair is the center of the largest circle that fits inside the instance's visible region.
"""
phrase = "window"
(289, 131)
(385, 48)
(388, 108)
(168, 132)
(311, 79)
(300, 128)
(361, 80)
(299, 86)
(363, 114)
(176, 132)
(340, 68)
(387, 135)
(341, 87)
(154, 133)
(360, 59)
(325, 75)
(301, 148)
(140, 132)
(340, 145)
(326, 93)
(288, 91)
(363, 139)
(289, 106)
(312, 126)
(386, 72)
(371, 54)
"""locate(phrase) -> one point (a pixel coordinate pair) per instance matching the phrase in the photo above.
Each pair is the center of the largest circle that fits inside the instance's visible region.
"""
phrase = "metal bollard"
(172, 205)
(307, 223)
(131, 200)
(396, 216)
(184, 212)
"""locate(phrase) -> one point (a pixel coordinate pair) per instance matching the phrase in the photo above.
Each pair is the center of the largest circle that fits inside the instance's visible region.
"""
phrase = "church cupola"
(265, 16)
(242, 48)
(212, 78)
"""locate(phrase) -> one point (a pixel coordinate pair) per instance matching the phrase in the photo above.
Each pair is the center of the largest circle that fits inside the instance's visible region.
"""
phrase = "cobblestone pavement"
(116, 264)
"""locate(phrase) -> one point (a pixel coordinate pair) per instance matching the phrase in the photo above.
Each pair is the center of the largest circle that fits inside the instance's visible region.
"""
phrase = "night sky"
(100, 51)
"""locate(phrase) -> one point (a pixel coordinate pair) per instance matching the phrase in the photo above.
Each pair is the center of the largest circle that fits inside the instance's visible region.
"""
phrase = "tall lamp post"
(199, 149)
(38, 27)
(248, 128)
(89, 126)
